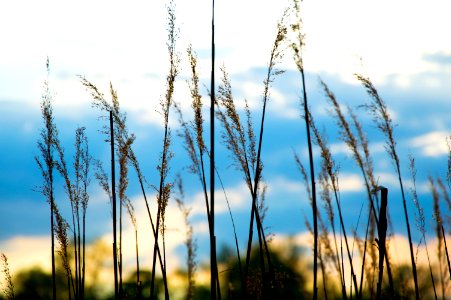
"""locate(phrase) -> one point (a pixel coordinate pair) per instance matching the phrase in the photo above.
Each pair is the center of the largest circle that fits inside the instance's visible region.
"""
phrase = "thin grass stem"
(384, 123)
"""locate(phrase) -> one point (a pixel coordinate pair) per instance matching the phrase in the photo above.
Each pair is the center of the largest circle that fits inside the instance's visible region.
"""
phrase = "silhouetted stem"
(84, 256)
(384, 123)
(53, 239)
(214, 282)
(234, 230)
(354, 280)
(258, 166)
(412, 258)
(160, 198)
(113, 191)
(313, 187)
(446, 251)
(120, 251)
(382, 230)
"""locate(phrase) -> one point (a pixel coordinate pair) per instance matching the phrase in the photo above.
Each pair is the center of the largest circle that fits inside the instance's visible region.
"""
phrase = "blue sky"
(402, 46)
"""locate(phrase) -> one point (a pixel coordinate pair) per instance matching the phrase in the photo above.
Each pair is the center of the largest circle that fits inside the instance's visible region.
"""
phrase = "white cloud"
(390, 180)
(237, 197)
(124, 42)
(431, 144)
(350, 182)
(340, 148)
(283, 184)
(338, 32)
(17, 249)
(278, 103)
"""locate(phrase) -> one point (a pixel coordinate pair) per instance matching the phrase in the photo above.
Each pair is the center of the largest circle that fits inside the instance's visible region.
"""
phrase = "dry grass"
(46, 164)
(244, 141)
(381, 116)
(190, 242)
(8, 290)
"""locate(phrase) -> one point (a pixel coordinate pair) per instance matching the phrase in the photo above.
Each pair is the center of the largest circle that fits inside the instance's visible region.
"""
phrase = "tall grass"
(77, 192)
(8, 290)
(46, 163)
(446, 251)
(52, 158)
(331, 170)
(131, 213)
(190, 242)
(384, 122)
(438, 231)
(254, 184)
(214, 280)
(164, 189)
(324, 237)
(382, 229)
(420, 219)
(118, 134)
(297, 47)
(359, 147)
(332, 251)
(113, 199)
(61, 229)
(240, 140)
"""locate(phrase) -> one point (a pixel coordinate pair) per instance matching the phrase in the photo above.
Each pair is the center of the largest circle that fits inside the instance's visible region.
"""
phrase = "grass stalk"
(323, 271)
(272, 72)
(333, 253)
(445, 194)
(82, 162)
(363, 252)
(9, 289)
(364, 162)
(331, 171)
(194, 142)
(164, 189)
(194, 145)
(71, 191)
(238, 141)
(356, 240)
(190, 243)
(384, 122)
(141, 180)
(366, 166)
(196, 155)
(438, 231)
(78, 198)
(214, 280)
(297, 47)
(46, 163)
(113, 193)
(446, 251)
(324, 236)
(61, 234)
(234, 229)
(420, 220)
(382, 230)
(131, 214)
(123, 150)
(121, 137)
(119, 250)
(86, 162)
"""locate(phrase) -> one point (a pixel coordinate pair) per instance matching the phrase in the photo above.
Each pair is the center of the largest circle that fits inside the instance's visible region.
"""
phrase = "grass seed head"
(8, 290)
